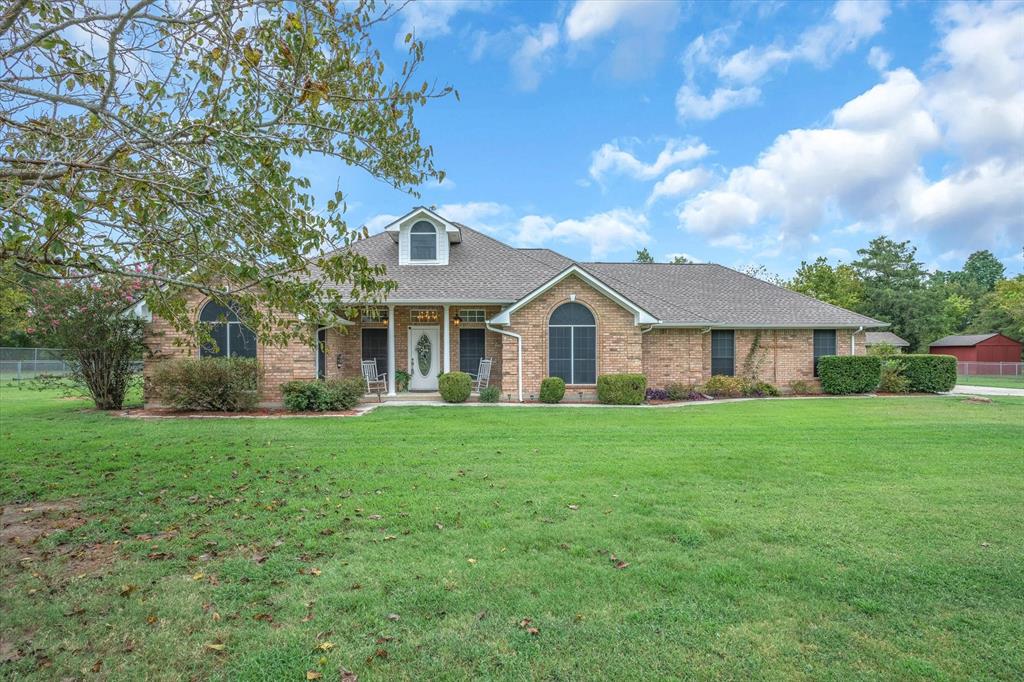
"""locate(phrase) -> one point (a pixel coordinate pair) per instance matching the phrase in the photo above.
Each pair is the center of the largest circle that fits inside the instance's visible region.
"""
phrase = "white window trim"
(572, 351)
(478, 318)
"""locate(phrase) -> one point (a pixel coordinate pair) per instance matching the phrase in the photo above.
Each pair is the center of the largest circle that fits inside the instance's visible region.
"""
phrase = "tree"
(156, 139)
(983, 270)
(839, 285)
(84, 316)
(894, 291)
(643, 256)
(763, 273)
(14, 306)
(1002, 310)
(680, 260)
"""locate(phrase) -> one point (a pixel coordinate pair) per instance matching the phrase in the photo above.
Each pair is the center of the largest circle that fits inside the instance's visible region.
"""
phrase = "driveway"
(987, 390)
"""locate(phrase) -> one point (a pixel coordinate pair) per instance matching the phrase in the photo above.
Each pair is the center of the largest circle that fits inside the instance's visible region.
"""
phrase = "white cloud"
(532, 57)
(589, 19)
(672, 256)
(866, 168)
(616, 231)
(690, 104)
(487, 216)
(611, 158)
(432, 18)
(379, 222)
(679, 183)
(879, 58)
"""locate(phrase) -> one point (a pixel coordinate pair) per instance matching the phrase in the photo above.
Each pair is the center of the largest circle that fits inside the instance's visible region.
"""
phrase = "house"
(992, 347)
(462, 295)
(888, 338)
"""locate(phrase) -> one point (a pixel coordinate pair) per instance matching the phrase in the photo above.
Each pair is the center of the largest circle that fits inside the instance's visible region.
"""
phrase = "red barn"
(978, 348)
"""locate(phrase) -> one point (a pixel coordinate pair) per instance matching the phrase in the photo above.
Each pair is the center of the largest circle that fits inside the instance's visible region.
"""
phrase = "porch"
(414, 345)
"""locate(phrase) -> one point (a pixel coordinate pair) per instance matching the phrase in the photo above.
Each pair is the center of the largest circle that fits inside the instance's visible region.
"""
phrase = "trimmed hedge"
(455, 387)
(845, 374)
(929, 373)
(552, 390)
(621, 389)
(213, 384)
(723, 386)
(323, 396)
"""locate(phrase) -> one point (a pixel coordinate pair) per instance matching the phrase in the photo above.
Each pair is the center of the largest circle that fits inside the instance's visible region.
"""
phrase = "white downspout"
(853, 343)
(519, 355)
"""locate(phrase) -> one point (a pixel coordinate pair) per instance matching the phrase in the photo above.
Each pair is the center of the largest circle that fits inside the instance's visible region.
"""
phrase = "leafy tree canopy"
(155, 139)
(839, 285)
(643, 256)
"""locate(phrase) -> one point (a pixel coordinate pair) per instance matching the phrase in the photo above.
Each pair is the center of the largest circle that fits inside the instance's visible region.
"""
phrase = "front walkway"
(987, 390)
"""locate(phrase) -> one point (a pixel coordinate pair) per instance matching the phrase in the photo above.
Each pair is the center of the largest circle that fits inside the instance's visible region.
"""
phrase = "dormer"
(423, 237)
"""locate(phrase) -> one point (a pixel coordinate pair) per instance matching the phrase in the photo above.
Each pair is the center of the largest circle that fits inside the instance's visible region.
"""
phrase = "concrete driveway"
(987, 390)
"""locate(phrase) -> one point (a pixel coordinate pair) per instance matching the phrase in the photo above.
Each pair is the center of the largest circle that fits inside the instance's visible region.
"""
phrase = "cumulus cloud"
(866, 168)
(690, 104)
(379, 222)
(432, 18)
(679, 183)
(617, 231)
(611, 158)
(589, 19)
(534, 56)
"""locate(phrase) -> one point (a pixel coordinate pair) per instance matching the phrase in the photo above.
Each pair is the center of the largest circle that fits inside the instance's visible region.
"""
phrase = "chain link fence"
(20, 364)
(990, 369)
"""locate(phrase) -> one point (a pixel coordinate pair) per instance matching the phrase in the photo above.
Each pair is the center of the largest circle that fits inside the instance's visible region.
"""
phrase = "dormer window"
(423, 241)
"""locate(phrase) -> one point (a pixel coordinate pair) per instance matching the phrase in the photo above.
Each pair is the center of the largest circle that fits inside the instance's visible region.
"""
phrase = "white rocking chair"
(375, 382)
(483, 375)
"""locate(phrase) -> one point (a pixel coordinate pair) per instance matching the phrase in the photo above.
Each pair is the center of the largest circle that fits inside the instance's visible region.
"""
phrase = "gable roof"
(962, 339)
(875, 338)
(482, 269)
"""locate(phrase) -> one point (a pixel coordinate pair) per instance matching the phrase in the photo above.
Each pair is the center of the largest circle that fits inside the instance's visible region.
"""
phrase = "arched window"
(572, 344)
(423, 241)
(232, 338)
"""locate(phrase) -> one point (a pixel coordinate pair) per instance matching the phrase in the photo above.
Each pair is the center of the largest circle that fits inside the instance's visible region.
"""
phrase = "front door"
(423, 358)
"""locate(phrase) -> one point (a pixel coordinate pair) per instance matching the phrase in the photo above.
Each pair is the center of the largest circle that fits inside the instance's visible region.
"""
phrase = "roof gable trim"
(451, 229)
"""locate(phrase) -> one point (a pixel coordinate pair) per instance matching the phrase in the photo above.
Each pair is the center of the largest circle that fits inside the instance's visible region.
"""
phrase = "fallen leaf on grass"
(471, 562)
(379, 653)
(198, 576)
(527, 625)
(574, 507)
(151, 619)
(439, 526)
(393, 617)
(313, 675)
(348, 676)
(215, 647)
(265, 617)
(375, 517)
(96, 666)
(126, 590)
(325, 646)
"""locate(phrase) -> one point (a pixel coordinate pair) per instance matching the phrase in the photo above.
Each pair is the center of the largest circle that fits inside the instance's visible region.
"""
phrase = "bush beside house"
(214, 384)
(455, 387)
(846, 374)
(322, 396)
(929, 373)
(621, 389)
(552, 390)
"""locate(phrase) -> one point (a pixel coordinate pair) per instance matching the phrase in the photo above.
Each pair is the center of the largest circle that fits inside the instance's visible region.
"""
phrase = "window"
(572, 344)
(321, 353)
(723, 353)
(375, 347)
(473, 315)
(423, 241)
(374, 316)
(824, 344)
(231, 338)
(471, 349)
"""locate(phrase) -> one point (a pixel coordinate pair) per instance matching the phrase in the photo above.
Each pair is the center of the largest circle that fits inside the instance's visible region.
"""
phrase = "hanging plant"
(423, 354)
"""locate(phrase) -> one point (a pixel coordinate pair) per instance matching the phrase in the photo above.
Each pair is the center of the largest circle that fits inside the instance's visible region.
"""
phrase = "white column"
(447, 342)
(391, 350)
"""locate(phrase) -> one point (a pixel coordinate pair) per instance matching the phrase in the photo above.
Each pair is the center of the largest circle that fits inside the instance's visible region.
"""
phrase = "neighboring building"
(879, 338)
(992, 347)
(463, 295)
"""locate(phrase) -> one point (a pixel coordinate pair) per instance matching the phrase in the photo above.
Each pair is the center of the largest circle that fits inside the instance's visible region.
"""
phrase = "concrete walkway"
(987, 390)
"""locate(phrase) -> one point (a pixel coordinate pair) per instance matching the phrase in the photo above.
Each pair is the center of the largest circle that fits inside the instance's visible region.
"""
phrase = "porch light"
(456, 320)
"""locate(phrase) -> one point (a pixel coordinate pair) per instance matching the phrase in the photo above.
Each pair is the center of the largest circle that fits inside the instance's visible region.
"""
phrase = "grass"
(1001, 382)
(814, 539)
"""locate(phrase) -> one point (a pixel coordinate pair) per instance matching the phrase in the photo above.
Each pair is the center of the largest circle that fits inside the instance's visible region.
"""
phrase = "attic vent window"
(423, 241)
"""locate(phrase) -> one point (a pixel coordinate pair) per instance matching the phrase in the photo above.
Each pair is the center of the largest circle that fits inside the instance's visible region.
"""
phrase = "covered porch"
(414, 344)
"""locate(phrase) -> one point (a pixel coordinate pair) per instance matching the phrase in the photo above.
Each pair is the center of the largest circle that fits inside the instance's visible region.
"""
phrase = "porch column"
(391, 350)
(447, 342)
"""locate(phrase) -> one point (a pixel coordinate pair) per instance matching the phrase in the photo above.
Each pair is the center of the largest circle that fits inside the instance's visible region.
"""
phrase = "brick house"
(463, 296)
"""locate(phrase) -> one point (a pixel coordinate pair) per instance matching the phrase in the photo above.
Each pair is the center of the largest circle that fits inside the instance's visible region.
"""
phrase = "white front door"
(424, 355)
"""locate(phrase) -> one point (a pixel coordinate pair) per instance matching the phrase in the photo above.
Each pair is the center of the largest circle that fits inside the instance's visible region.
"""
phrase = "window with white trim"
(572, 344)
(231, 338)
(423, 241)
(473, 315)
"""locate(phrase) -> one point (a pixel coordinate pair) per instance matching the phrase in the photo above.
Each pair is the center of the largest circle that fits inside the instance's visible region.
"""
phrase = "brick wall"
(618, 338)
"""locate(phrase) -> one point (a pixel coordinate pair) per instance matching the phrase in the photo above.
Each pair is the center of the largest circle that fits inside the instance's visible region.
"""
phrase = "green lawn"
(816, 539)
(1001, 382)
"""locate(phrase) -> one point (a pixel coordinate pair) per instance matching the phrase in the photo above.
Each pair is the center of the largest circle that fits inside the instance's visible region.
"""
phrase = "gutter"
(853, 342)
(519, 354)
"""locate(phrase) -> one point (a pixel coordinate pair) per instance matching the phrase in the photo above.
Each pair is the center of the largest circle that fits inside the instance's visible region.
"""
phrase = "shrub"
(845, 374)
(455, 387)
(491, 394)
(721, 386)
(621, 389)
(893, 380)
(929, 373)
(323, 396)
(215, 384)
(760, 389)
(656, 394)
(800, 387)
(402, 380)
(552, 390)
(883, 350)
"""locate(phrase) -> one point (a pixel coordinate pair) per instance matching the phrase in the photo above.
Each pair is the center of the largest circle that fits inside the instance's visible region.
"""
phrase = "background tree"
(643, 256)
(83, 316)
(1002, 310)
(680, 260)
(161, 134)
(982, 270)
(839, 285)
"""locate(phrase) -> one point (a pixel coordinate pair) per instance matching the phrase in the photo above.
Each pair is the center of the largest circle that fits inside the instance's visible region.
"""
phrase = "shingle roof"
(875, 338)
(482, 269)
(963, 339)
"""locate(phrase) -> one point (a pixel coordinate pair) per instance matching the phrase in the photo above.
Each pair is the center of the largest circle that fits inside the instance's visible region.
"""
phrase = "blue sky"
(735, 133)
